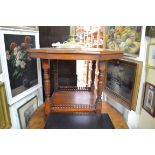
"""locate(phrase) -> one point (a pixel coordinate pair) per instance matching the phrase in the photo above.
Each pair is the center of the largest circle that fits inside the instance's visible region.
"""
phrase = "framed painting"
(122, 81)
(22, 73)
(151, 56)
(5, 121)
(25, 111)
(22, 69)
(124, 38)
(150, 31)
(149, 99)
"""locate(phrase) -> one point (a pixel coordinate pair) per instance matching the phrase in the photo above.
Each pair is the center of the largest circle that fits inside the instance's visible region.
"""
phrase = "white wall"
(1, 79)
(22, 98)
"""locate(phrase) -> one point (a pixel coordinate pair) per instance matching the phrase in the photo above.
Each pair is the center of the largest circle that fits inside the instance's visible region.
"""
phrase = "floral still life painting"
(22, 69)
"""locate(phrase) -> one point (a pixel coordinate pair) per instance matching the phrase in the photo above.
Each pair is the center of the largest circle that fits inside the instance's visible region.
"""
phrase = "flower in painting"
(12, 46)
(18, 62)
(22, 64)
(8, 55)
(15, 51)
(24, 45)
(19, 56)
(27, 39)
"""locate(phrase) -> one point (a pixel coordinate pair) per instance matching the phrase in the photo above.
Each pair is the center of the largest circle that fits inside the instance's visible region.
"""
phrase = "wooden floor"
(38, 119)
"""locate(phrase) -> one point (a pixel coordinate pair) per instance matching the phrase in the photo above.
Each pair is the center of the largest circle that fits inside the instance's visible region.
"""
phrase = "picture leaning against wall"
(26, 110)
(122, 81)
(21, 68)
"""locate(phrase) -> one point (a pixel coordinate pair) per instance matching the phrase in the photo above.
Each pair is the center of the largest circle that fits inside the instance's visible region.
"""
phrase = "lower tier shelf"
(73, 101)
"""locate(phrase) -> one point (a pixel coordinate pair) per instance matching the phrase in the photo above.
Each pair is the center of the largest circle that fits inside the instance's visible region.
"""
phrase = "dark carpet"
(78, 121)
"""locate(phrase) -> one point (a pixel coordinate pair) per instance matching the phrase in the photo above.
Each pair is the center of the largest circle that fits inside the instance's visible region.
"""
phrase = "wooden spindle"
(55, 67)
(93, 74)
(47, 85)
(101, 83)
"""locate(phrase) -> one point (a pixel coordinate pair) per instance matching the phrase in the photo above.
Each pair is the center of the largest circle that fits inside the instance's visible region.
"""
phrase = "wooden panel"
(73, 97)
(66, 69)
(52, 34)
(73, 100)
(67, 73)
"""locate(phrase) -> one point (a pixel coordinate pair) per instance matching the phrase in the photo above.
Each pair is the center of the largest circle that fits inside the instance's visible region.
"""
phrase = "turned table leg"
(46, 68)
(87, 72)
(93, 74)
(55, 67)
(100, 86)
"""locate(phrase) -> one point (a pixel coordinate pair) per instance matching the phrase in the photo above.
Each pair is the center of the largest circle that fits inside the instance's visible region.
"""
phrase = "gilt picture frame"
(149, 99)
(26, 111)
(151, 56)
(5, 121)
(122, 81)
(0, 67)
